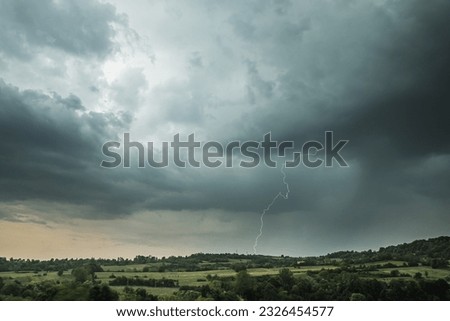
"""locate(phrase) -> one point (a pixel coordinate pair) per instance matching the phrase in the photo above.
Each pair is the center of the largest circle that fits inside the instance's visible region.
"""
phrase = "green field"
(199, 278)
(416, 271)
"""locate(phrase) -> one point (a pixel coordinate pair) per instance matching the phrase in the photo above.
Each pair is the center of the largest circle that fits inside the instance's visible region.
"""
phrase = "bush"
(102, 293)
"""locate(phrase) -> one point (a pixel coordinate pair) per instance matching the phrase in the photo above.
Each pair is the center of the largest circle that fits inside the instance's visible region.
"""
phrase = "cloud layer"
(78, 74)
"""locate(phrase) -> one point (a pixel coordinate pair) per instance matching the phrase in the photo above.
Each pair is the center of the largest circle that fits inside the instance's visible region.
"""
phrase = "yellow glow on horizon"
(38, 241)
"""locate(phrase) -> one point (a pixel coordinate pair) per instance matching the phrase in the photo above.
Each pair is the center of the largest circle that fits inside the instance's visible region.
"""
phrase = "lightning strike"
(267, 209)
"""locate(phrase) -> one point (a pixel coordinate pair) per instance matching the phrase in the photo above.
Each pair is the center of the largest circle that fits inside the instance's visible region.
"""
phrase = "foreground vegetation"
(413, 271)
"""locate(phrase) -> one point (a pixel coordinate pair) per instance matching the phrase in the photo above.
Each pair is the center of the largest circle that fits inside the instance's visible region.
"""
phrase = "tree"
(93, 267)
(102, 293)
(60, 272)
(80, 274)
(437, 289)
(12, 288)
(438, 263)
(395, 273)
(245, 285)
(286, 278)
(237, 267)
(141, 294)
(268, 293)
(45, 291)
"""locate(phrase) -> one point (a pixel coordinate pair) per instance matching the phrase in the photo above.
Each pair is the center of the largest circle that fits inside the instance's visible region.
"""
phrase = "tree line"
(434, 252)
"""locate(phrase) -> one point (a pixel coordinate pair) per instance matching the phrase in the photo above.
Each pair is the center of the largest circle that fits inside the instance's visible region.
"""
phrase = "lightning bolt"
(267, 209)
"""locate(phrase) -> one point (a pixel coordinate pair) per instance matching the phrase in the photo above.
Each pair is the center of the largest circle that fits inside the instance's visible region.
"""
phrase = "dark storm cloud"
(76, 27)
(377, 75)
(394, 94)
(374, 74)
(406, 114)
(51, 152)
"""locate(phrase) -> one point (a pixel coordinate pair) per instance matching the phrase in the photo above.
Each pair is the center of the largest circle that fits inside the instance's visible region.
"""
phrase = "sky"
(77, 74)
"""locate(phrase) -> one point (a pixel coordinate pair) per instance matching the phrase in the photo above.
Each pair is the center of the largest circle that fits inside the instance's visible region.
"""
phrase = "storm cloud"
(76, 27)
(375, 73)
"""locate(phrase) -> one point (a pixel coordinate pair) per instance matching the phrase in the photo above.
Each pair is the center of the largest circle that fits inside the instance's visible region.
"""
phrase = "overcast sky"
(76, 74)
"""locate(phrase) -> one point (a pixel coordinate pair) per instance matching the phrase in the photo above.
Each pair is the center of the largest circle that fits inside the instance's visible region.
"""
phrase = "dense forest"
(400, 272)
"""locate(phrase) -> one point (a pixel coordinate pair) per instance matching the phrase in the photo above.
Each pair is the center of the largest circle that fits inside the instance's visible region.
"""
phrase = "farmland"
(414, 271)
